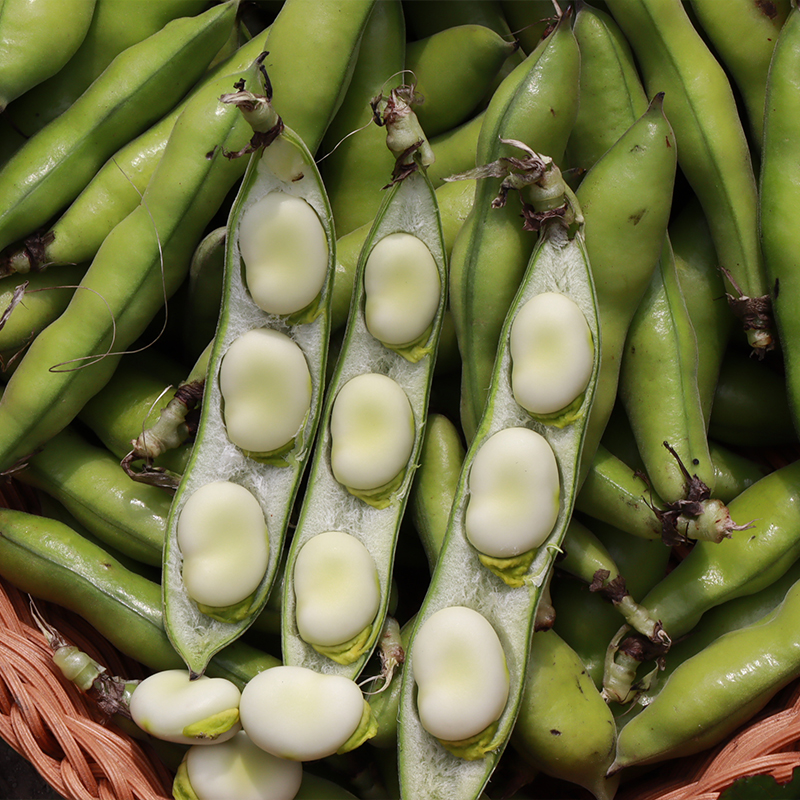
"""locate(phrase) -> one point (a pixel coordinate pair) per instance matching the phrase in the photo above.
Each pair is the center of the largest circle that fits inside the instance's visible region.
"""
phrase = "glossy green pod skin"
(283, 165)
(455, 150)
(626, 199)
(37, 40)
(410, 207)
(116, 188)
(451, 86)
(535, 104)
(564, 727)
(703, 292)
(302, 30)
(90, 483)
(183, 195)
(427, 768)
(354, 149)
(743, 34)
(778, 192)
(660, 360)
(713, 152)
(50, 561)
(749, 560)
(43, 299)
(711, 694)
(113, 28)
(137, 88)
(610, 88)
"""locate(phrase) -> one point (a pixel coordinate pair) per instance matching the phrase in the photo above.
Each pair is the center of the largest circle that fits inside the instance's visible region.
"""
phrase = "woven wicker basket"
(62, 733)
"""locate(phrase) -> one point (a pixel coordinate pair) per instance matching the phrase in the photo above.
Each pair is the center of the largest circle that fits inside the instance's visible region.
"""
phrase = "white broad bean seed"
(402, 288)
(372, 431)
(239, 770)
(552, 353)
(223, 537)
(285, 253)
(514, 492)
(171, 706)
(266, 388)
(461, 674)
(300, 714)
(336, 588)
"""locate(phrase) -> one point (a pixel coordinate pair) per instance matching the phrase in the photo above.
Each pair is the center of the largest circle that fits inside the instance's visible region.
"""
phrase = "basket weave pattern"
(50, 722)
(82, 756)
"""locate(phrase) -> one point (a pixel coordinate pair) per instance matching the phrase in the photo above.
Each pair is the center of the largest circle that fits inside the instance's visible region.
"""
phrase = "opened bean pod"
(340, 563)
(262, 395)
(463, 679)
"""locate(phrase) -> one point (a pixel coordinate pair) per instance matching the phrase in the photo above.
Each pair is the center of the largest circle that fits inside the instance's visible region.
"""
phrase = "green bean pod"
(743, 34)
(115, 190)
(778, 191)
(712, 573)
(626, 198)
(535, 104)
(112, 29)
(371, 515)
(156, 242)
(564, 728)
(37, 40)
(354, 149)
(90, 483)
(713, 693)
(660, 360)
(713, 151)
(451, 86)
(137, 88)
(51, 562)
(302, 30)
(610, 88)
(504, 591)
(281, 170)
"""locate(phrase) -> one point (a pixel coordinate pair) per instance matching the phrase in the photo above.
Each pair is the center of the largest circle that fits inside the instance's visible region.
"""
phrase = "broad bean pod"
(778, 191)
(743, 34)
(266, 372)
(37, 39)
(354, 151)
(51, 562)
(626, 199)
(535, 104)
(155, 242)
(112, 29)
(708, 696)
(452, 87)
(752, 558)
(363, 465)
(135, 90)
(713, 152)
(504, 590)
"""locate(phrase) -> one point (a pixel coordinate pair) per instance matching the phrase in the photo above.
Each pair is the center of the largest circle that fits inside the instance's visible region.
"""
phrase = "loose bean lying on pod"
(267, 364)
(171, 706)
(371, 433)
(505, 589)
